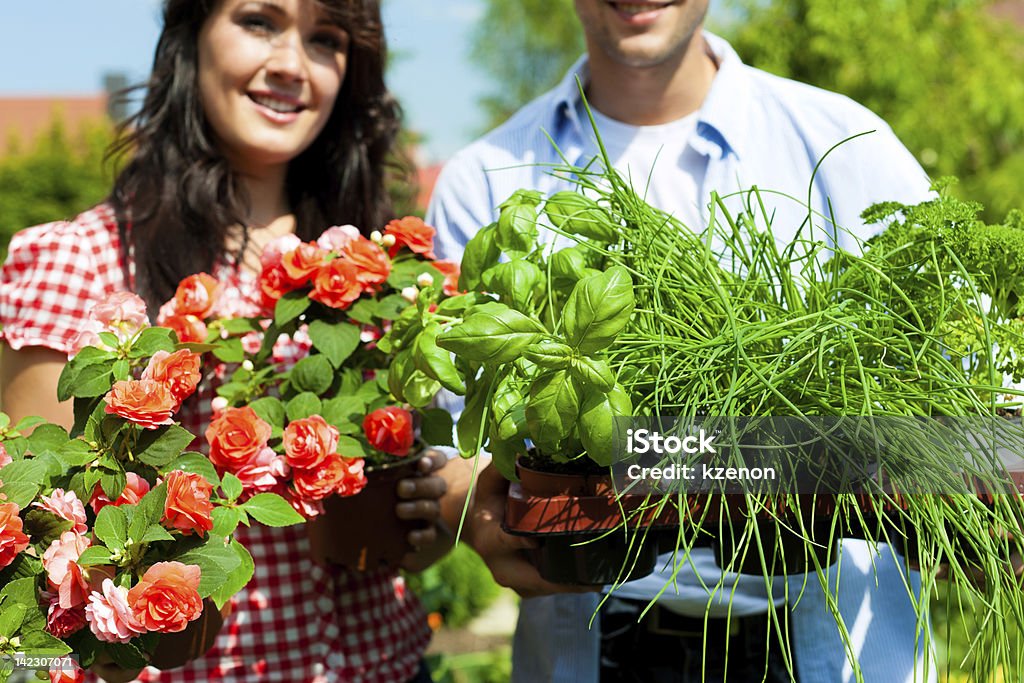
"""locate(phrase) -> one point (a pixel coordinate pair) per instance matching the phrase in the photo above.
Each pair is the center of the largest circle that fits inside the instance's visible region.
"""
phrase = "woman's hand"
(421, 500)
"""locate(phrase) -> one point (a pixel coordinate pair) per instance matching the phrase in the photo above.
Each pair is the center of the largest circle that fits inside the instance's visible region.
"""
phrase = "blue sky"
(65, 46)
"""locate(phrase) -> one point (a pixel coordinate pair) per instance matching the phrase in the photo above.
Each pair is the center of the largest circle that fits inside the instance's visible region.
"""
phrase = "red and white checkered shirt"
(296, 621)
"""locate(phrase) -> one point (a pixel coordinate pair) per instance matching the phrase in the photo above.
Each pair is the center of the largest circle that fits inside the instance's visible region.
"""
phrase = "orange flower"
(389, 430)
(308, 441)
(188, 507)
(145, 402)
(179, 371)
(189, 328)
(333, 473)
(12, 540)
(167, 597)
(337, 285)
(274, 283)
(196, 295)
(451, 272)
(413, 233)
(300, 263)
(134, 489)
(236, 438)
(372, 264)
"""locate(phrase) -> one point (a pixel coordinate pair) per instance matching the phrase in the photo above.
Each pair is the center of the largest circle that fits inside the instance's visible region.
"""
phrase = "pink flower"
(70, 672)
(61, 622)
(109, 615)
(83, 339)
(5, 459)
(134, 489)
(122, 313)
(334, 239)
(61, 554)
(277, 248)
(66, 506)
(263, 472)
(304, 506)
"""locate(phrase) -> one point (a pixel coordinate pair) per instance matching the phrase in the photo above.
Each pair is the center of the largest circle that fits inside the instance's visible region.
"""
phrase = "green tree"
(525, 46)
(57, 178)
(945, 74)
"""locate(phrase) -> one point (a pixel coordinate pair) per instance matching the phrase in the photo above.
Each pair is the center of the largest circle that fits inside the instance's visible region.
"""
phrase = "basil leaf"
(598, 308)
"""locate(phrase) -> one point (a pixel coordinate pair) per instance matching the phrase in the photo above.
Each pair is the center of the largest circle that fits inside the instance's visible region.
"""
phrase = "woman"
(261, 118)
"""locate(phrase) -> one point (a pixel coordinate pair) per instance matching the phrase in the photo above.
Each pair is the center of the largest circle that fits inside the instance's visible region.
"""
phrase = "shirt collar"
(721, 126)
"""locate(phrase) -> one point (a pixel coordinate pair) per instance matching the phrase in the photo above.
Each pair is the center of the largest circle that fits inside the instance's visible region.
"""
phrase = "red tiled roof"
(27, 117)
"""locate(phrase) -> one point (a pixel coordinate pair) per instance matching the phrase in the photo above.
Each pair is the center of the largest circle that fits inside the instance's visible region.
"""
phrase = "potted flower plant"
(112, 537)
(338, 418)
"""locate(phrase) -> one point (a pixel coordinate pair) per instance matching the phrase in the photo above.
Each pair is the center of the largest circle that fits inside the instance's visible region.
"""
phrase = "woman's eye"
(257, 23)
(331, 41)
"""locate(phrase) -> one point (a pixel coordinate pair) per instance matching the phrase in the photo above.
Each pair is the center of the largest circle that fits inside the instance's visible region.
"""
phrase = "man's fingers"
(422, 487)
(429, 510)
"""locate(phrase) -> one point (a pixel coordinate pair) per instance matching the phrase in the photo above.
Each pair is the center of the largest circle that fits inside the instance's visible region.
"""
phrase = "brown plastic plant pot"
(785, 550)
(178, 649)
(594, 559)
(362, 532)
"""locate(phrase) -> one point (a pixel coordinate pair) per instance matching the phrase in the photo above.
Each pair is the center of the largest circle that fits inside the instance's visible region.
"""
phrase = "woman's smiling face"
(269, 74)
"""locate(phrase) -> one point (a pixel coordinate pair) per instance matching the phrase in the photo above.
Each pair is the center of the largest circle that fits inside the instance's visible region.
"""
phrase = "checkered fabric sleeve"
(53, 274)
(296, 621)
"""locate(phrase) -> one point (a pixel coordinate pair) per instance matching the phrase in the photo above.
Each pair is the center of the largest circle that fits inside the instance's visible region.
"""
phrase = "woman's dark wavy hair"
(177, 199)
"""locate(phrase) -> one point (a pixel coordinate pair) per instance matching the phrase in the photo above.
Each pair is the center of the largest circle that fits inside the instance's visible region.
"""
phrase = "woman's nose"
(287, 59)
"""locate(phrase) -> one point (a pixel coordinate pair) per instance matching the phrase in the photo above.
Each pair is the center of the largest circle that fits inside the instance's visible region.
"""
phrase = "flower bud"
(410, 294)
(218, 404)
(376, 236)
(387, 241)
(247, 365)
(425, 280)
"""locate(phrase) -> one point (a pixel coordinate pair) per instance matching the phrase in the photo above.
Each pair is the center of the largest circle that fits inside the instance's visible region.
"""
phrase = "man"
(663, 91)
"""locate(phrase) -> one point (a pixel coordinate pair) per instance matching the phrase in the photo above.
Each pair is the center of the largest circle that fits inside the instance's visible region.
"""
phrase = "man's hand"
(421, 500)
(504, 553)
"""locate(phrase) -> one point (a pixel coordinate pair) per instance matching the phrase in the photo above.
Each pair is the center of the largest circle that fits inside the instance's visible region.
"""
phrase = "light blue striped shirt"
(753, 129)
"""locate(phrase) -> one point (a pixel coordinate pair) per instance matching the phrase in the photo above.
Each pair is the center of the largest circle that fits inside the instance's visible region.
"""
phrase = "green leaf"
(552, 409)
(436, 427)
(598, 308)
(593, 373)
(122, 370)
(492, 333)
(238, 578)
(215, 560)
(230, 350)
(335, 341)
(391, 306)
(69, 376)
(418, 387)
(518, 283)
(303, 405)
(481, 253)
(508, 407)
(94, 380)
(313, 374)
(363, 311)
(517, 223)
(225, 521)
(457, 305)
(11, 618)
(580, 215)
(28, 471)
(240, 326)
(290, 306)
(160, 446)
(148, 512)
(112, 527)
(113, 483)
(195, 462)
(20, 493)
(351, 448)
(436, 362)
(44, 527)
(468, 427)
(93, 555)
(550, 354)
(21, 591)
(151, 340)
(75, 453)
(155, 532)
(601, 419)
(342, 409)
(504, 454)
(25, 423)
(231, 486)
(272, 510)
(126, 655)
(270, 410)
(47, 437)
